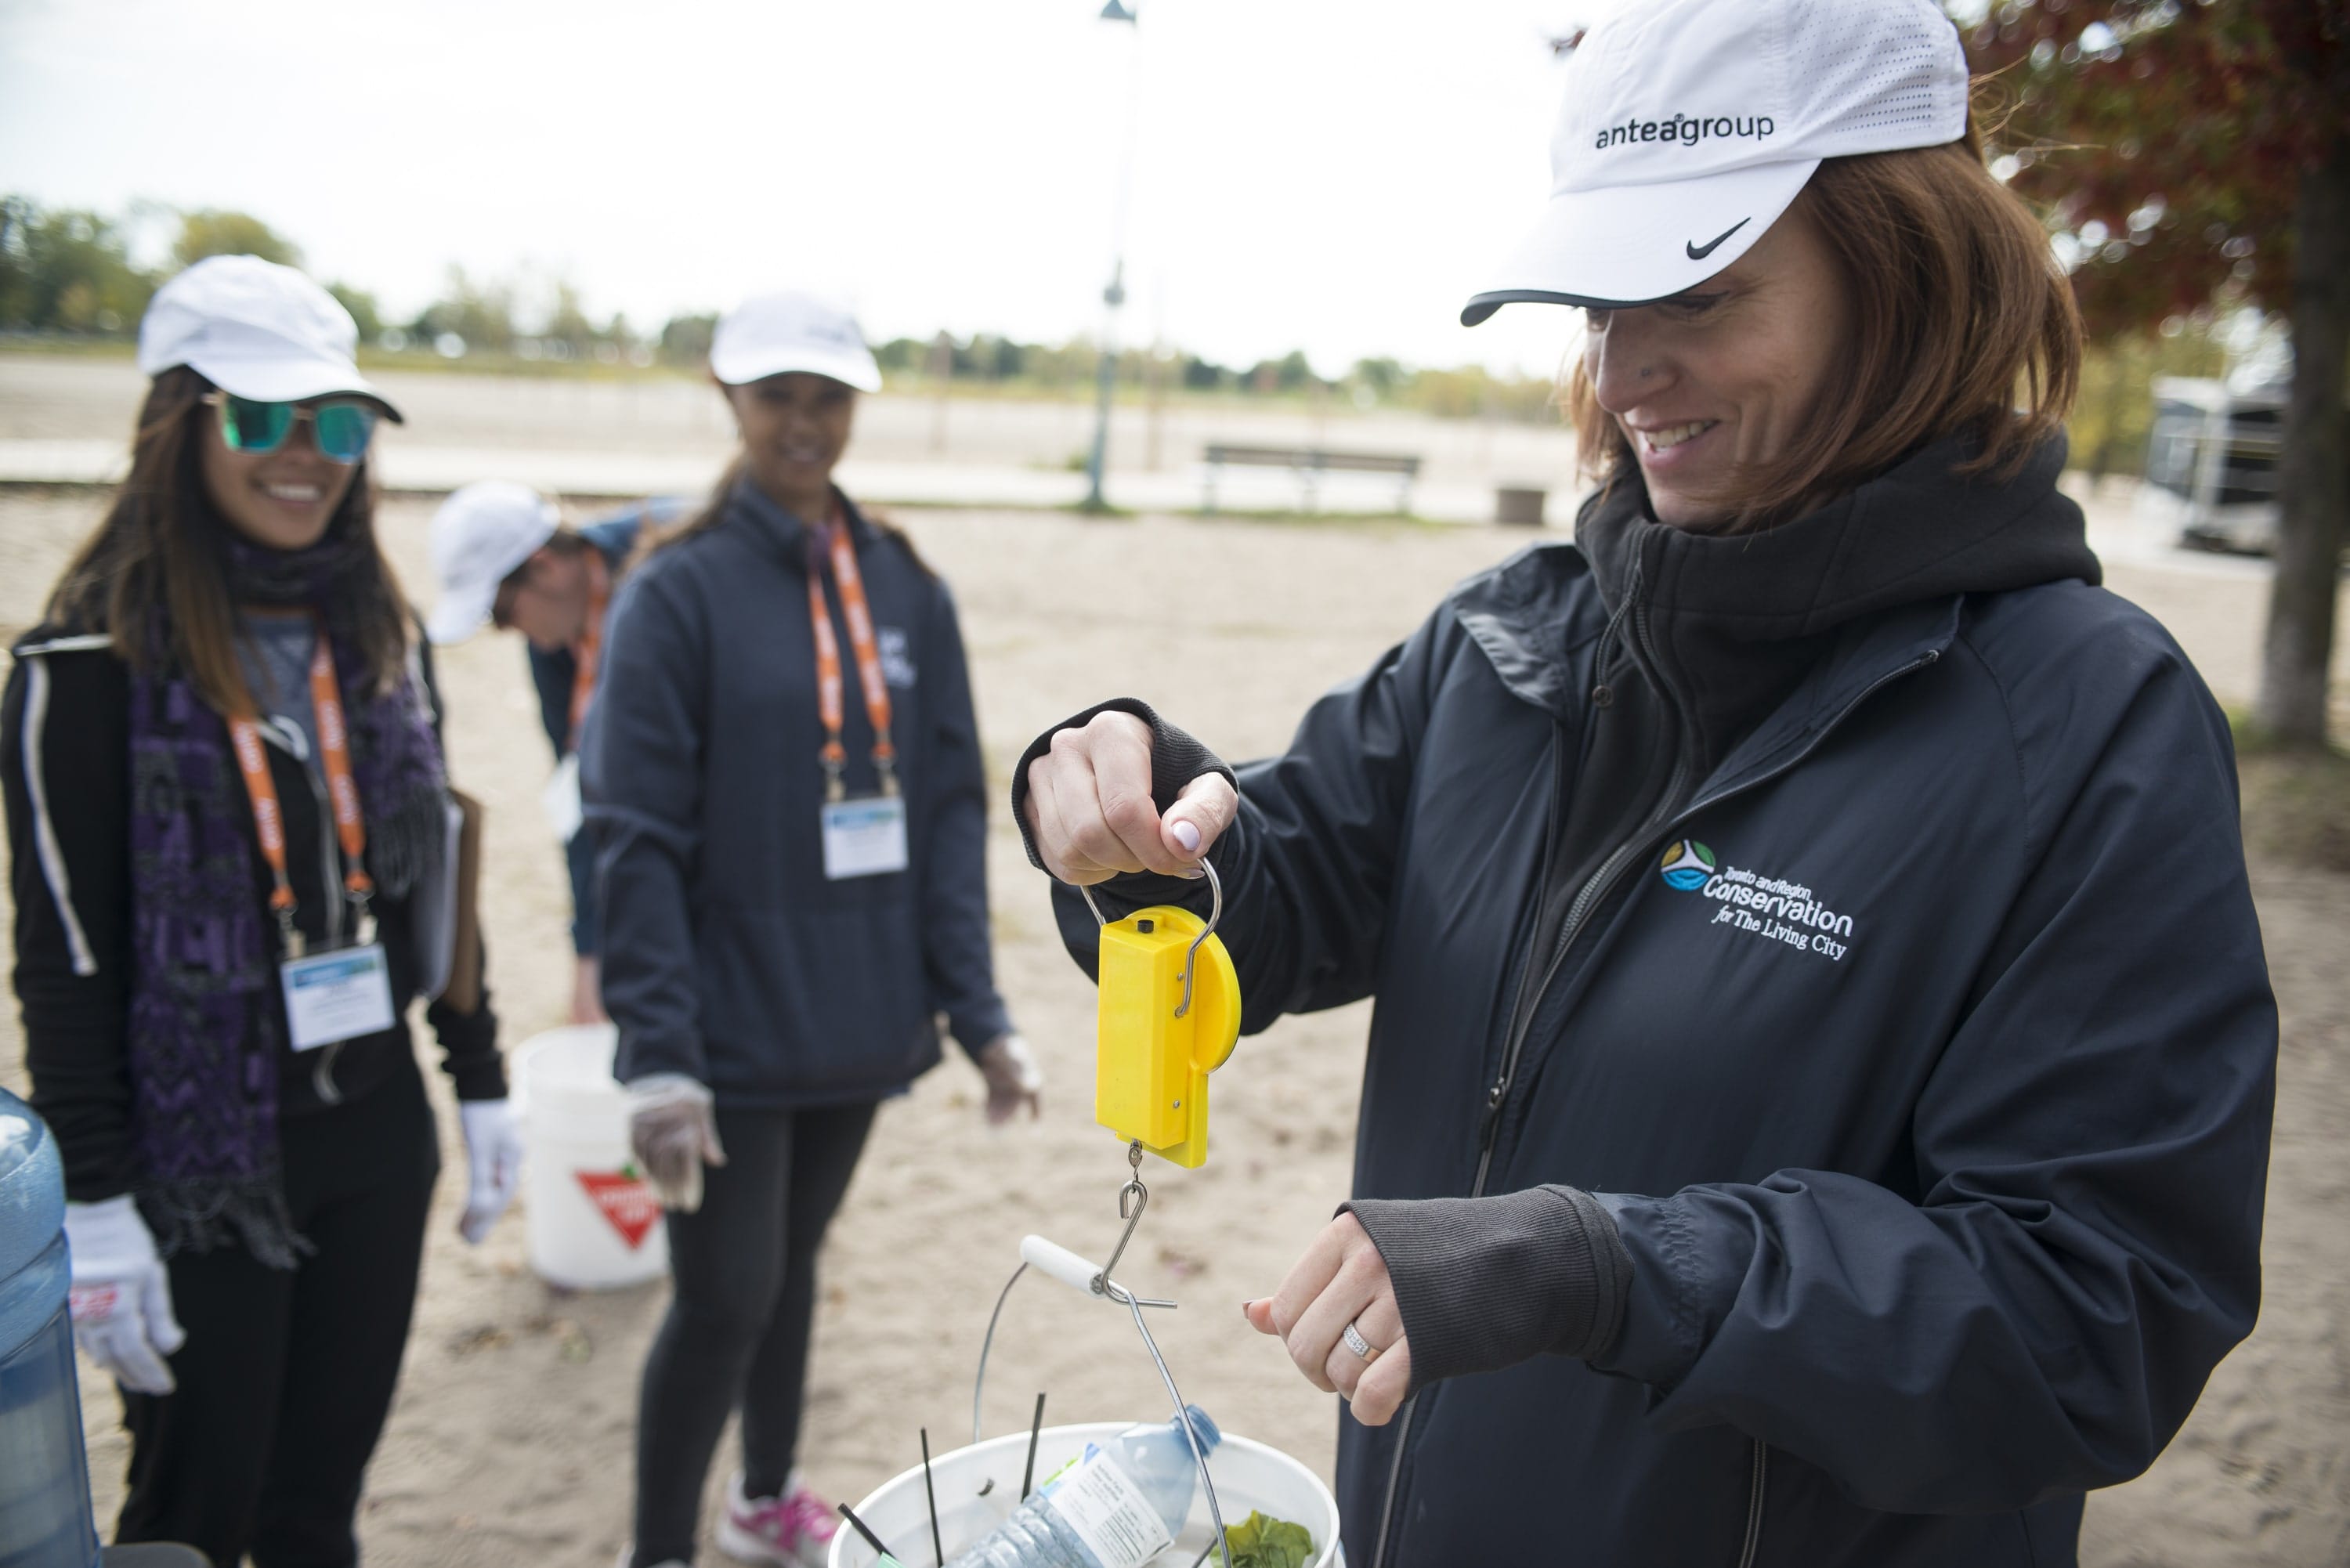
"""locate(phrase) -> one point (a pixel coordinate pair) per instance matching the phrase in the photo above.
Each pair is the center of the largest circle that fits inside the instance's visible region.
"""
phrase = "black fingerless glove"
(1486, 1283)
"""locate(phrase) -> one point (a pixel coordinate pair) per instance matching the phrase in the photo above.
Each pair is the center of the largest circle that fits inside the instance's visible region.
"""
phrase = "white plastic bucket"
(592, 1225)
(1248, 1475)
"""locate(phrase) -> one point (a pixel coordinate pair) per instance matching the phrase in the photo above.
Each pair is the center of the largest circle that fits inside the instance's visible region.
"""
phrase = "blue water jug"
(45, 1511)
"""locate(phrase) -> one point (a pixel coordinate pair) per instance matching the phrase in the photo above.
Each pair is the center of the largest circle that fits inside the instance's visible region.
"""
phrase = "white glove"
(1014, 1079)
(673, 1129)
(494, 1158)
(122, 1296)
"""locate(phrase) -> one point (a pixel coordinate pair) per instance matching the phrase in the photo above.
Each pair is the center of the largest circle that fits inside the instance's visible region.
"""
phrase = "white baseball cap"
(481, 534)
(1690, 125)
(256, 329)
(776, 333)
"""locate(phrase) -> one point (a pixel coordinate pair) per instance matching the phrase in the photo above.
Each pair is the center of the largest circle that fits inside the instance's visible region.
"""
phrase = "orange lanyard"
(583, 652)
(342, 790)
(854, 609)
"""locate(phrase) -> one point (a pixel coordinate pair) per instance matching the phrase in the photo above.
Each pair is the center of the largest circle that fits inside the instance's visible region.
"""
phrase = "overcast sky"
(1335, 177)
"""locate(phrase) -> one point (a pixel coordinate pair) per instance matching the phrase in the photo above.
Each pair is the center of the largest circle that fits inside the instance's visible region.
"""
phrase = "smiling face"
(1713, 382)
(281, 500)
(794, 427)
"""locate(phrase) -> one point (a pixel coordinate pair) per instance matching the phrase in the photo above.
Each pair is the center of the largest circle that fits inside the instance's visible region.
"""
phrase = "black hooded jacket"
(64, 776)
(1818, 1105)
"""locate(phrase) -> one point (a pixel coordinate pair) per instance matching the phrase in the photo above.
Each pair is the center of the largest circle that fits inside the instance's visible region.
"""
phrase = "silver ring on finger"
(1358, 1344)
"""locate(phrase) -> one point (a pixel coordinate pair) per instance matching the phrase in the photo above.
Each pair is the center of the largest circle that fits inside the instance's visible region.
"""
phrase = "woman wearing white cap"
(227, 816)
(1818, 1105)
(782, 771)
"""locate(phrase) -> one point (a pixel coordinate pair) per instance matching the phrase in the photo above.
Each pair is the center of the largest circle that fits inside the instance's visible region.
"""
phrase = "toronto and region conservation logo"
(1757, 905)
(1687, 864)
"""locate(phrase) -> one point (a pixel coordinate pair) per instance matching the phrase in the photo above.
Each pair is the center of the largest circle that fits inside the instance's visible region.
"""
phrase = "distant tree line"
(69, 271)
(985, 359)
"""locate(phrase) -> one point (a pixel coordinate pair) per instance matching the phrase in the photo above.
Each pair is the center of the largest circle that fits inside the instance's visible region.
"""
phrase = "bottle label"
(1108, 1512)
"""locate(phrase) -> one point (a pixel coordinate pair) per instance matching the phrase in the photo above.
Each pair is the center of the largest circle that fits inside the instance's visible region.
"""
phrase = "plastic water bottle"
(1113, 1507)
(45, 1513)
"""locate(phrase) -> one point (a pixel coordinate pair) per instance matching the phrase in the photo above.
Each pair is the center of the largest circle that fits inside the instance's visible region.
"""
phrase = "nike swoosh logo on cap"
(1700, 252)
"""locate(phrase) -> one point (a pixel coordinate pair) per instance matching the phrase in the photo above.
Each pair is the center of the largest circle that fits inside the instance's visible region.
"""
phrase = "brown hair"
(1960, 310)
(653, 539)
(159, 560)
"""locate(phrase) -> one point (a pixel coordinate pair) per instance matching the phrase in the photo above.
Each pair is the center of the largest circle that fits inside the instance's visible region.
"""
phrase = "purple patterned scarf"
(206, 1018)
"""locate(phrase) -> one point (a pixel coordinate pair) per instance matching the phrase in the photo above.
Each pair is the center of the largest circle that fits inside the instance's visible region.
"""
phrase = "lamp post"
(1113, 296)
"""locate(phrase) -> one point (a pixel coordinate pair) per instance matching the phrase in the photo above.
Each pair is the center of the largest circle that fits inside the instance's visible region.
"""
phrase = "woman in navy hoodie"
(783, 774)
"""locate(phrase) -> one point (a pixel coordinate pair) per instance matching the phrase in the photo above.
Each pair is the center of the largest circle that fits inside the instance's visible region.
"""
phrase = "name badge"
(864, 838)
(338, 995)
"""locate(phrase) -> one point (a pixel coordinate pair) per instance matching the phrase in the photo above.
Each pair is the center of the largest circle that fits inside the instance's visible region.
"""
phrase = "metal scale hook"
(1133, 1199)
(1192, 953)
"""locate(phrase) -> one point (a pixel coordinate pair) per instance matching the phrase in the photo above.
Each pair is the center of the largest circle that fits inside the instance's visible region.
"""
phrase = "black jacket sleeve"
(958, 967)
(551, 674)
(640, 773)
(65, 763)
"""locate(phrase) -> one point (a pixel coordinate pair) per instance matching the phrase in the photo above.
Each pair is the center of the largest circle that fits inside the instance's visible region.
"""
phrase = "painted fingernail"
(1186, 835)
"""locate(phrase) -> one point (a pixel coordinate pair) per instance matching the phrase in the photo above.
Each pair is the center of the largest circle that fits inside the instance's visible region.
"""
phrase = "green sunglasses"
(342, 429)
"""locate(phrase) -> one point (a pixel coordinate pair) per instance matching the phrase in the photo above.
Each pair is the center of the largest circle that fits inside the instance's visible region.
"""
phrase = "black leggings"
(287, 1374)
(737, 1329)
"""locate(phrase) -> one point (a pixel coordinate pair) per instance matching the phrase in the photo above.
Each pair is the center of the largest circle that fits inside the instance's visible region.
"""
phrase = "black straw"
(866, 1531)
(1028, 1475)
(935, 1544)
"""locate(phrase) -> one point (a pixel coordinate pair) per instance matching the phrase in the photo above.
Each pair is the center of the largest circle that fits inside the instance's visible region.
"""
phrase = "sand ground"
(511, 1439)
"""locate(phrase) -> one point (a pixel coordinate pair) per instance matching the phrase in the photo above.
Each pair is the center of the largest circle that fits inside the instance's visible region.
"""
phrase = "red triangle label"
(627, 1200)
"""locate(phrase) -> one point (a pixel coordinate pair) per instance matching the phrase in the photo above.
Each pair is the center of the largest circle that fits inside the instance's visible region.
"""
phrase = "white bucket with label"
(1248, 1475)
(593, 1223)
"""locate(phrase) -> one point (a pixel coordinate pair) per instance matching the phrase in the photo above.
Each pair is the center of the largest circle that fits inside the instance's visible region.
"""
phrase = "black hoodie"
(1817, 1106)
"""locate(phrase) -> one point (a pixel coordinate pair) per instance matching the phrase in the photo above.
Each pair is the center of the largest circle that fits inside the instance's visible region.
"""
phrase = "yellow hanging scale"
(1169, 1015)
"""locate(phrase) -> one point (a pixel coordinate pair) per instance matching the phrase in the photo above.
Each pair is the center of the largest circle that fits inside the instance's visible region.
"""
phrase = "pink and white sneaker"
(795, 1530)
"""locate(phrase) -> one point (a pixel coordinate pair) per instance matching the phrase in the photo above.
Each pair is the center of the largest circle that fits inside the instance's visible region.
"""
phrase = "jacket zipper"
(322, 1076)
(1596, 888)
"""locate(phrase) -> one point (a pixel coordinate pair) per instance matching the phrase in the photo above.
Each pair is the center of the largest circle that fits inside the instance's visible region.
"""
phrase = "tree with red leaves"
(2196, 152)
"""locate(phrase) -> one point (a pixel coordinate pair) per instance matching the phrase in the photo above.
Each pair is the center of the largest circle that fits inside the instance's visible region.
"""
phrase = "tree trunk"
(2314, 471)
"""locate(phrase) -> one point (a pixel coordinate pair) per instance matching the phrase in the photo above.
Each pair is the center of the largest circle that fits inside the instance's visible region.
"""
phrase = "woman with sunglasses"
(228, 814)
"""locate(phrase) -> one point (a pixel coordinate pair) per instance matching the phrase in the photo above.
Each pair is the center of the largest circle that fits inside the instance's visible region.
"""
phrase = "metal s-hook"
(1133, 1199)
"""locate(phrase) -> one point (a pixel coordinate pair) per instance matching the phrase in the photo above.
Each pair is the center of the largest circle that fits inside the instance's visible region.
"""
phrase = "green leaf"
(1258, 1541)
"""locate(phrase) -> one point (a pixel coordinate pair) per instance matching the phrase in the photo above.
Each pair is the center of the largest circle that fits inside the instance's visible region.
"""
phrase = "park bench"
(1309, 465)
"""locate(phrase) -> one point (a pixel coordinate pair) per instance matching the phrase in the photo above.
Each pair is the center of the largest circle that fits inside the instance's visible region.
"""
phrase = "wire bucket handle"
(1056, 1261)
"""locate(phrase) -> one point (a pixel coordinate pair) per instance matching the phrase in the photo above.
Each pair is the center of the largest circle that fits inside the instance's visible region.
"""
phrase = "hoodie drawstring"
(1603, 695)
